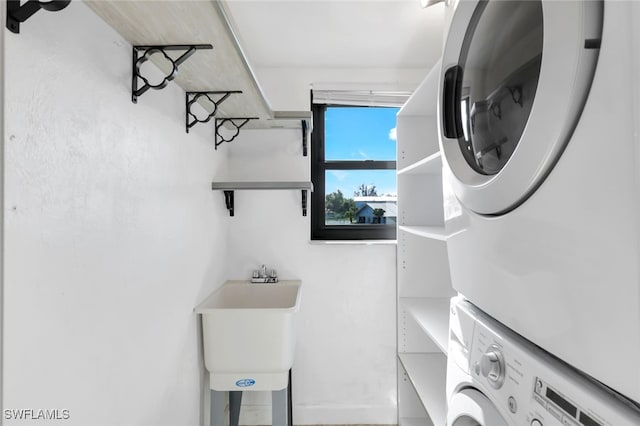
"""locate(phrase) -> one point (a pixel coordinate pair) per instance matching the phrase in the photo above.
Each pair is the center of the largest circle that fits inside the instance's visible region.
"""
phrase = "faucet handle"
(273, 276)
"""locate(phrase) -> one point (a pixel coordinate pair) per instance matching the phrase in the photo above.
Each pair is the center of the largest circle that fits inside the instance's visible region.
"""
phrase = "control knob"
(492, 366)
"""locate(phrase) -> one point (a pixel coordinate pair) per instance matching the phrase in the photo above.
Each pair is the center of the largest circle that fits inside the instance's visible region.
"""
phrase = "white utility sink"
(249, 334)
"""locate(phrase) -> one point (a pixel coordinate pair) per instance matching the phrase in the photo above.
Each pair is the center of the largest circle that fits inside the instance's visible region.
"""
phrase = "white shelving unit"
(427, 374)
(432, 315)
(433, 232)
(424, 282)
(430, 165)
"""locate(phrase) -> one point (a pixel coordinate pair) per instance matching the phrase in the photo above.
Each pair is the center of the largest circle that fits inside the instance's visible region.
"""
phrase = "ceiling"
(338, 33)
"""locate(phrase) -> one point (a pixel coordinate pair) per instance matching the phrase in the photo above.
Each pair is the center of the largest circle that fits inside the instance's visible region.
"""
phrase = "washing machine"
(496, 378)
(539, 131)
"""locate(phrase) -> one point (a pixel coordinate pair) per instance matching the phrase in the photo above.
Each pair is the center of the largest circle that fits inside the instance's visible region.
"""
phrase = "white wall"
(288, 88)
(112, 232)
(113, 235)
(2, 19)
(345, 369)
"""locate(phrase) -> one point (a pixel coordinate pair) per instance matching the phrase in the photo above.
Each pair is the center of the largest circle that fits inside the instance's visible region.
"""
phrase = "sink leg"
(279, 408)
(235, 399)
(217, 408)
(290, 401)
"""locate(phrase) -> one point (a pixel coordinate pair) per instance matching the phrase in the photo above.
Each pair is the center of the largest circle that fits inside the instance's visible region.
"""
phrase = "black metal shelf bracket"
(228, 201)
(304, 139)
(236, 122)
(229, 187)
(17, 14)
(304, 202)
(215, 98)
(147, 52)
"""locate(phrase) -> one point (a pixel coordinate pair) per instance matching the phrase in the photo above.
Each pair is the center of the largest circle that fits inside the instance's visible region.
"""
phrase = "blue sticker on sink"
(245, 383)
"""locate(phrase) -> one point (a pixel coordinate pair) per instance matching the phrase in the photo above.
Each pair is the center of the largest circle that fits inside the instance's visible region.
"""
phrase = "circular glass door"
(515, 78)
(500, 64)
(470, 407)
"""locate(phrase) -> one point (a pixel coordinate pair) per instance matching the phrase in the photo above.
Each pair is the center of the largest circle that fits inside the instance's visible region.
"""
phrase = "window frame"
(319, 229)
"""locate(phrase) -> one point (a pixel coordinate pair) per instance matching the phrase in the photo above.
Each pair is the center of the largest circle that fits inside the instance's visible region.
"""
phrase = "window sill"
(352, 242)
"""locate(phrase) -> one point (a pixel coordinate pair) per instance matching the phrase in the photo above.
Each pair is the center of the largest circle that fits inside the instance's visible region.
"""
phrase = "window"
(353, 169)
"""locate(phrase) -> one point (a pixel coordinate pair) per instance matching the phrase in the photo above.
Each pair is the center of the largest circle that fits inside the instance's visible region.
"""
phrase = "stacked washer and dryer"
(540, 135)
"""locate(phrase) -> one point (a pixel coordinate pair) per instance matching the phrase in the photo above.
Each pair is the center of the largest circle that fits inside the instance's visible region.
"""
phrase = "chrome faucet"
(263, 275)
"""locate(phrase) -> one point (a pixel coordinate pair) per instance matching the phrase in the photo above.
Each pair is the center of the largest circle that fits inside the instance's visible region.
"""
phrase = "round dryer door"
(471, 408)
(515, 78)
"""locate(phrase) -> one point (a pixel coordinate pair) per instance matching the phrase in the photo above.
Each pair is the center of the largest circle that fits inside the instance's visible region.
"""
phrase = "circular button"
(536, 422)
(492, 366)
(513, 405)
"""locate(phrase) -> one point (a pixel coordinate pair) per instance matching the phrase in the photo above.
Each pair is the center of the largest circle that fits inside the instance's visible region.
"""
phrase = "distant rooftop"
(386, 198)
(390, 208)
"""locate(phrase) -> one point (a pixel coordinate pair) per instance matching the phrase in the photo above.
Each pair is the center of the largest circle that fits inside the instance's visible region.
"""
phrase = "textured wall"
(112, 232)
(112, 236)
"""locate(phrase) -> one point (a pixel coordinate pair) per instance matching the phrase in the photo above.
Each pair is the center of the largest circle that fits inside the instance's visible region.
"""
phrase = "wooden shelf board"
(230, 186)
(225, 67)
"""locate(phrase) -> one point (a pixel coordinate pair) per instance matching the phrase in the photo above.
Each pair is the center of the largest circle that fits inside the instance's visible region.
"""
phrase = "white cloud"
(393, 134)
(339, 174)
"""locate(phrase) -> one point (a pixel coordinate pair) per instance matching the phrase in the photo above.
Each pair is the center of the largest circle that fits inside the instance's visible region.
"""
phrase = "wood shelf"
(427, 374)
(232, 186)
(432, 315)
(223, 68)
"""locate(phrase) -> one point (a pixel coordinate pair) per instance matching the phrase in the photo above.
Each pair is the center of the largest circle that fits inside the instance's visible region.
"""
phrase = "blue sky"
(360, 134)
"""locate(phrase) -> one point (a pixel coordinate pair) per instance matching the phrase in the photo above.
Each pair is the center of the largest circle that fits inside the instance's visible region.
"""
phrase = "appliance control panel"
(561, 407)
(531, 388)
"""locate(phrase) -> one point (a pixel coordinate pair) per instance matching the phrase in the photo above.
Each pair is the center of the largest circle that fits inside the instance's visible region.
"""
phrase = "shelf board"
(231, 186)
(427, 373)
(430, 165)
(432, 232)
(225, 67)
(432, 314)
(284, 120)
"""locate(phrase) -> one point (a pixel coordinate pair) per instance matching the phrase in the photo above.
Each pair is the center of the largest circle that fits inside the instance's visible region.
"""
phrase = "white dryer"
(496, 378)
(539, 125)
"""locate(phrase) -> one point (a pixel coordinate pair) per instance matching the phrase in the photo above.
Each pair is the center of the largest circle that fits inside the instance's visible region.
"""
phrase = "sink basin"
(249, 334)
